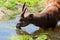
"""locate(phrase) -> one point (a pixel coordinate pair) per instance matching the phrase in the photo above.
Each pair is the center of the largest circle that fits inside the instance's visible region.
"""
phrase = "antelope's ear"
(23, 6)
(23, 10)
(22, 15)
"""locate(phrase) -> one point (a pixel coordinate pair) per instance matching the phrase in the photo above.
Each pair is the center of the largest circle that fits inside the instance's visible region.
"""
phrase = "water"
(7, 29)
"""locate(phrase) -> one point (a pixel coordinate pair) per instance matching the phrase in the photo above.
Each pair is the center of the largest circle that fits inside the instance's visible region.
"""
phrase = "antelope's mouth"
(19, 25)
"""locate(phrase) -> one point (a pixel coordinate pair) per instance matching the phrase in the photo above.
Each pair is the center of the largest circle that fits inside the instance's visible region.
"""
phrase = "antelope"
(46, 19)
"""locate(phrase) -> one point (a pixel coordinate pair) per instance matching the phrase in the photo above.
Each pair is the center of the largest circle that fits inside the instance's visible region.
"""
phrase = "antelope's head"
(24, 21)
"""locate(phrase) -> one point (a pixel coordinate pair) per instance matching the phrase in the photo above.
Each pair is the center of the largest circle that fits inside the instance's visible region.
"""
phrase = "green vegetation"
(21, 37)
(29, 2)
(27, 37)
(32, 2)
(42, 36)
(10, 4)
(34, 6)
(13, 15)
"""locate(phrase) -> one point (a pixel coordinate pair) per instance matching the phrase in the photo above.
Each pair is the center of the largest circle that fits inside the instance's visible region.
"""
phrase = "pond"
(8, 29)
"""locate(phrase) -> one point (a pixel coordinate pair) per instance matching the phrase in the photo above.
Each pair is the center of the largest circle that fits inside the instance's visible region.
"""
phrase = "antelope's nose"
(18, 25)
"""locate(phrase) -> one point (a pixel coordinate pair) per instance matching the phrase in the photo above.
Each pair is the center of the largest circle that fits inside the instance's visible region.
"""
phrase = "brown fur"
(46, 19)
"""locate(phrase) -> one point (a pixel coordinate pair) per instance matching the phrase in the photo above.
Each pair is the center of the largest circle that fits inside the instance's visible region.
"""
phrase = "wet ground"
(8, 29)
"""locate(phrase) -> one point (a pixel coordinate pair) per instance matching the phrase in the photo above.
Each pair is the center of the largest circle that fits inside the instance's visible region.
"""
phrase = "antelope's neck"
(52, 7)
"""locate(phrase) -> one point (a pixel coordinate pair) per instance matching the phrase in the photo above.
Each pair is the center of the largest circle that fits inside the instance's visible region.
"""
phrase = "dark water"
(8, 29)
